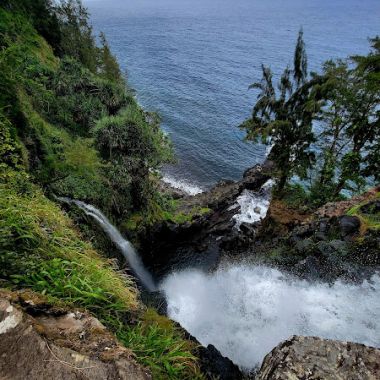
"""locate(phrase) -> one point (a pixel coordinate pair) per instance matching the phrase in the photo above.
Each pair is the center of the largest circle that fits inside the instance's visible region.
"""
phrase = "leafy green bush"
(134, 146)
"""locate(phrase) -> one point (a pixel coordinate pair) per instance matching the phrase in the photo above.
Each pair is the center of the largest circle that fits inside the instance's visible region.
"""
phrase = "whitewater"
(245, 310)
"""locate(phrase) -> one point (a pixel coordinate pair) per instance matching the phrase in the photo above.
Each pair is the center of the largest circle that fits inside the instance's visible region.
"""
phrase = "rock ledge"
(311, 358)
(59, 344)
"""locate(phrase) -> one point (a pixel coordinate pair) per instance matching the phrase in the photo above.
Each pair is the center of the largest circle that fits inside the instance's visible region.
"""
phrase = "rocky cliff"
(311, 358)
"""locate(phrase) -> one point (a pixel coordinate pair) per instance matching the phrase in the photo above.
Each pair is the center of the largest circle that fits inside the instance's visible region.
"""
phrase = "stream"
(245, 310)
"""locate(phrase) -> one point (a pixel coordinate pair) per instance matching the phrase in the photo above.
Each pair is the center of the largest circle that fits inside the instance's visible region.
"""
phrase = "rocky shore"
(339, 240)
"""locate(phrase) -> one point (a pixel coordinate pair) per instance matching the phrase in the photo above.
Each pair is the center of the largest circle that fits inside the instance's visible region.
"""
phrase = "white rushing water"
(253, 205)
(245, 311)
(124, 245)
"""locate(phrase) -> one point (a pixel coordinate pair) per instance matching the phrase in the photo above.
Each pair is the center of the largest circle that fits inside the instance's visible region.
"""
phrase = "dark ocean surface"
(193, 60)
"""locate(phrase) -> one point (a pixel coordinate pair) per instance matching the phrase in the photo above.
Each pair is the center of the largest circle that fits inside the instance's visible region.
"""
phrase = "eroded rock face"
(60, 345)
(311, 358)
(167, 246)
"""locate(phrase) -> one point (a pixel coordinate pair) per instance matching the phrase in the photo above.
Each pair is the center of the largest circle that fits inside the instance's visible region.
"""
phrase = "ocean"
(193, 60)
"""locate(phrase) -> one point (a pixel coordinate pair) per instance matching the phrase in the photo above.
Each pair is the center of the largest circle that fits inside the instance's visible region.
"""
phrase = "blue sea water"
(193, 60)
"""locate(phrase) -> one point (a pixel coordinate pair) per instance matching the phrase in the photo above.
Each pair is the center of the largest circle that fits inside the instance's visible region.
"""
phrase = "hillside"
(69, 126)
(80, 160)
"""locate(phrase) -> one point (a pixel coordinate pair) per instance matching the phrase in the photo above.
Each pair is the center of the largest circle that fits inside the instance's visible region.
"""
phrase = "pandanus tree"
(282, 116)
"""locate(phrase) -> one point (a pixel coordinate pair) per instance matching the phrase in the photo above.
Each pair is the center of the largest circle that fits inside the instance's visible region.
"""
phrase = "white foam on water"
(245, 311)
(253, 205)
(182, 184)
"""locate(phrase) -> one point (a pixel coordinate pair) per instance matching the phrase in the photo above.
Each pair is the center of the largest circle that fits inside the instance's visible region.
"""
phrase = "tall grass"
(159, 345)
(41, 249)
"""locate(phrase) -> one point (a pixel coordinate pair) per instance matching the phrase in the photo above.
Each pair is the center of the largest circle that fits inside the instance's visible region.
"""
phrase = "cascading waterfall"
(246, 310)
(124, 245)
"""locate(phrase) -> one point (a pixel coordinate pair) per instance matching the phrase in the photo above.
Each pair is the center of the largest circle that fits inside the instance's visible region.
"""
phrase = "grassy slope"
(40, 248)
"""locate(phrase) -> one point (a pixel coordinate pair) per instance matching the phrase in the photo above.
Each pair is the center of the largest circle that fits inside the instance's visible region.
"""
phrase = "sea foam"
(182, 184)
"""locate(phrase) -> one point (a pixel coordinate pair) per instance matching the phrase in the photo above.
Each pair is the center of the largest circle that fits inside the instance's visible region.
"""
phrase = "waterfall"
(125, 247)
(246, 310)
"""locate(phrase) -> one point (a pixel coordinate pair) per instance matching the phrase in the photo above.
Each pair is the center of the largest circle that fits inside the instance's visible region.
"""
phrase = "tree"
(283, 118)
(77, 38)
(42, 15)
(334, 115)
(134, 145)
(108, 65)
(349, 123)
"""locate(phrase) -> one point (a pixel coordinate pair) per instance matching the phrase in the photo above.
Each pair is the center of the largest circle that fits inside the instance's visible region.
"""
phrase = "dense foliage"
(69, 126)
(323, 127)
(62, 107)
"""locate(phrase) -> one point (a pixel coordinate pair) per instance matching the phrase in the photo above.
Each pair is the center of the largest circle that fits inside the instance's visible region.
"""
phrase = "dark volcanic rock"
(349, 225)
(310, 358)
(216, 366)
(169, 246)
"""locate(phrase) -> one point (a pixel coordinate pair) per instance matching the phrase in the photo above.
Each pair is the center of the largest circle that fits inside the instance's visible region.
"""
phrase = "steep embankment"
(41, 341)
(69, 126)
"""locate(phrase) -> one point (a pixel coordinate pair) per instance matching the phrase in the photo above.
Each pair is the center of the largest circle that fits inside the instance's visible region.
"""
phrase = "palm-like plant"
(282, 117)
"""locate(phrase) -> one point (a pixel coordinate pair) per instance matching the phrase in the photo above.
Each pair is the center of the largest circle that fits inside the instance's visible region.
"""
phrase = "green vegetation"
(180, 217)
(40, 249)
(71, 115)
(368, 214)
(169, 210)
(298, 197)
(69, 126)
(159, 346)
(324, 128)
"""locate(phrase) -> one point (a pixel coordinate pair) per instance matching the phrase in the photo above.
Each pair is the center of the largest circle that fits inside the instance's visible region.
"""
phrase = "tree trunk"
(339, 187)
(281, 184)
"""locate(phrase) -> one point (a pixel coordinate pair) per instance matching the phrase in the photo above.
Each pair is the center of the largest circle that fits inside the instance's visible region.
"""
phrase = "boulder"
(349, 225)
(60, 345)
(311, 358)
(215, 366)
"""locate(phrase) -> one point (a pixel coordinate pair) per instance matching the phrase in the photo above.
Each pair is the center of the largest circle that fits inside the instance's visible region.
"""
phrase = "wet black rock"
(349, 225)
(169, 246)
(216, 366)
